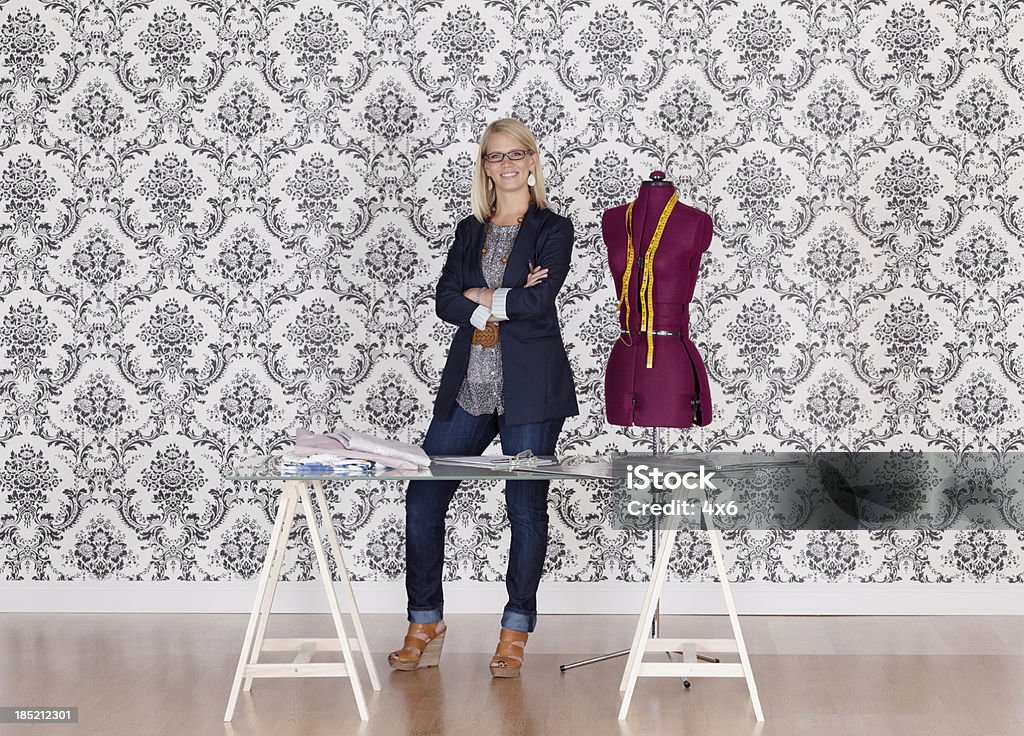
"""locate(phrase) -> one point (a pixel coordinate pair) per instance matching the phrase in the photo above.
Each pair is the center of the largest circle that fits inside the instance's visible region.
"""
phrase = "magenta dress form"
(674, 392)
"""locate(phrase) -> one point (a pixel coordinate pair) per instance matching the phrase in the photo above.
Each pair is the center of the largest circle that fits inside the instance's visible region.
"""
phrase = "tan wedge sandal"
(423, 643)
(508, 657)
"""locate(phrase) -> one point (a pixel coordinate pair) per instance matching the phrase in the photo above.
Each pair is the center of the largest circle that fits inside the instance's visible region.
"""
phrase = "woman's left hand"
(537, 274)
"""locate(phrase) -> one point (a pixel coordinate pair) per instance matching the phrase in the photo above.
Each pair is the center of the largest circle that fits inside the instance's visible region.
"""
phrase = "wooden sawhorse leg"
(690, 666)
(346, 586)
(302, 666)
(290, 502)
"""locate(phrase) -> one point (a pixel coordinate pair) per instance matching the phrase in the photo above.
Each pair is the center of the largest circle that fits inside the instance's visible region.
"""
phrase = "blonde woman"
(507, 374)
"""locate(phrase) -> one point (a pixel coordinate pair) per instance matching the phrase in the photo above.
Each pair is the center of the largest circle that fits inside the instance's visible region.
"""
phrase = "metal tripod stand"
(656, 622)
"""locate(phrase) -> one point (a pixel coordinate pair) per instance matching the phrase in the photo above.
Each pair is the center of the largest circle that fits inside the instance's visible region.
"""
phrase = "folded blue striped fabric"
(327, 464)
(320, 469)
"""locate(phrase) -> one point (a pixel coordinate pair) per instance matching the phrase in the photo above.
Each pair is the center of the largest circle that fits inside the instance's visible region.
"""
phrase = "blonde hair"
(482, 197)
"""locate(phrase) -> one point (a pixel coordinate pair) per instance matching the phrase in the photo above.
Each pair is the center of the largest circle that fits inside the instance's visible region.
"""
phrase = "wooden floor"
(147, 674)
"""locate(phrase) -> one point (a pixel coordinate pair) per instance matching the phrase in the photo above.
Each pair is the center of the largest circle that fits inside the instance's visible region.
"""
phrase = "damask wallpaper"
(224, 218)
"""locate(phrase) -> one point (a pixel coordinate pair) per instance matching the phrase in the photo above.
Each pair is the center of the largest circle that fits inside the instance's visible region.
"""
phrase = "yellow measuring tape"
(624, 291)
(647, 283)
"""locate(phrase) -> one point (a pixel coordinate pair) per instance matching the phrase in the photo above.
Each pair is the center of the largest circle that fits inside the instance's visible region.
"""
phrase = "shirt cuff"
(479, 317)
(498, 304)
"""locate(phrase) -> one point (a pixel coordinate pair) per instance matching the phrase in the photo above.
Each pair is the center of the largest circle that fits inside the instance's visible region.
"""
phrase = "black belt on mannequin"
(656, 333)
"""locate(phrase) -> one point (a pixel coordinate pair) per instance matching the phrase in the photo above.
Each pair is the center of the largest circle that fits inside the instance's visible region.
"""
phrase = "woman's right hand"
(537, 274)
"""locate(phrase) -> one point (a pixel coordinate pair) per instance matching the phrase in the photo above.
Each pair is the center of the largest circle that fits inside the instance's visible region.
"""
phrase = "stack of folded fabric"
(347, 452)
(324, 464)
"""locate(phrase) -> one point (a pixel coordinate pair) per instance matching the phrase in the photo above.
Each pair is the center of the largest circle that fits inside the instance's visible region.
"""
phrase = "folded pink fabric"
(363, 442)
(309, 443)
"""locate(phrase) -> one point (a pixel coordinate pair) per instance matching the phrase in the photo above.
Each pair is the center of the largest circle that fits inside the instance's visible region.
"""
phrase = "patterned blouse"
(481, 390)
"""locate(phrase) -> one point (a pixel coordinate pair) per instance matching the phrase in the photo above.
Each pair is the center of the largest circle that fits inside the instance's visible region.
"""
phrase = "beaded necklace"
(487, 231)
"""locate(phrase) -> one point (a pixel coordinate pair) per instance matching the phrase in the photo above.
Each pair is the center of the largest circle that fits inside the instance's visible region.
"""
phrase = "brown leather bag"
(488, 338)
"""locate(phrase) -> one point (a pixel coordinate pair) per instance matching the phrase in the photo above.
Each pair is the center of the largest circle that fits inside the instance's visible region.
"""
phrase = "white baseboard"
(794, 599)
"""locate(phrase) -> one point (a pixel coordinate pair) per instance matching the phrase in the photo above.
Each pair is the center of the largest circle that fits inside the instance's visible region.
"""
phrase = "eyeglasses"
(512, 156)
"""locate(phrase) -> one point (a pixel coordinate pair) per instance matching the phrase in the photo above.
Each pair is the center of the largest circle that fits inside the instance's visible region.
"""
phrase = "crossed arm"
(492, 302)
(479, 305)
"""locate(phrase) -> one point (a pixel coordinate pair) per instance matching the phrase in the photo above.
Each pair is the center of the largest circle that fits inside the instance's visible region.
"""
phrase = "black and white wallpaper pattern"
(223, 218)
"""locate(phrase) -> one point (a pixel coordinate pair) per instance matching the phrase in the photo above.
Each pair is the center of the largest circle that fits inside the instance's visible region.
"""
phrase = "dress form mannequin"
(673, 391)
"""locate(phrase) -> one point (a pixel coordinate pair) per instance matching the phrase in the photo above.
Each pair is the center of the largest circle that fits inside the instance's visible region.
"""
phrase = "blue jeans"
(426, 503)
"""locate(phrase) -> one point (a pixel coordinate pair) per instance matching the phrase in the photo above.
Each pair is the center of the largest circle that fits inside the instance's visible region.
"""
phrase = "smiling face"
(506, 180)
(508, 176)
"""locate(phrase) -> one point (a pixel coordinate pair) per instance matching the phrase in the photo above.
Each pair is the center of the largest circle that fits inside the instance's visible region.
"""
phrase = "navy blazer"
(537, 378)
